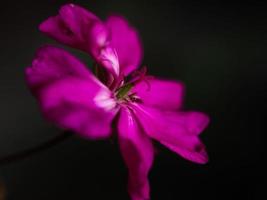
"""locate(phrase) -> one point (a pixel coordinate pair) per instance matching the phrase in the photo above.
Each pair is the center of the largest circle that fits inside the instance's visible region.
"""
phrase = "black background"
(218, 49)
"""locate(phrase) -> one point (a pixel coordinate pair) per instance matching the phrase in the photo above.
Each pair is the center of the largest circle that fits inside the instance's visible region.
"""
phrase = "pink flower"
(143, 108)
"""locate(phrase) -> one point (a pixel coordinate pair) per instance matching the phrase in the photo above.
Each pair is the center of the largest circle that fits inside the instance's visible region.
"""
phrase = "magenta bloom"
(143, 108)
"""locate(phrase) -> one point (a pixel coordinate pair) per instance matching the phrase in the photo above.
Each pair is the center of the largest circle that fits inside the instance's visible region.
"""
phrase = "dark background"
(218, 49)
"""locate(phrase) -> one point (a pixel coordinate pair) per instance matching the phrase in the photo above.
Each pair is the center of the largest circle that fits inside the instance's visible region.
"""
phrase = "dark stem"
(34, 150)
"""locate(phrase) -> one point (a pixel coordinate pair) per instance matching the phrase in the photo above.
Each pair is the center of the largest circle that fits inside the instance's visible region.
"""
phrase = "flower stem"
(34, 150)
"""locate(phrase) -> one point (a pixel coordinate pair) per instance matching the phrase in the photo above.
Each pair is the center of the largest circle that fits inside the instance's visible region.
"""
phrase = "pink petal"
(69, 95)
(51, 64)
(78, 105)
(137, 151)
(79, 28)
(108, 58)
(177, 131)
(75, 26)
(125, 40)
(195, 122)
(199, 156)
(163, 94)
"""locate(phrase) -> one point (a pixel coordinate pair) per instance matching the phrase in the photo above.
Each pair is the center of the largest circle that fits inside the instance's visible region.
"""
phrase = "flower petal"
(137, 151)
(109, 59)
(69, 95)
(75, 26)
(163, 94)
(178, 131)
(125, 40)
(195, 122)
(79, 28)
(200, 157)
(51, 64)
(79, 105)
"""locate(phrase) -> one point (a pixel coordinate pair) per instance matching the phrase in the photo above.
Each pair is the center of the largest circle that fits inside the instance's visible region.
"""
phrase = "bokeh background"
(217, 49)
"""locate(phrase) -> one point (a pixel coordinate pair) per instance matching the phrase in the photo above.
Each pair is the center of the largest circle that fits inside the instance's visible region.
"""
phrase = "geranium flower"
(144, 108)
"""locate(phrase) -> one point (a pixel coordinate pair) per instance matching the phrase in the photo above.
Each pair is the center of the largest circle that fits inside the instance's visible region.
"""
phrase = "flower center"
(122, 92)
(121, 87)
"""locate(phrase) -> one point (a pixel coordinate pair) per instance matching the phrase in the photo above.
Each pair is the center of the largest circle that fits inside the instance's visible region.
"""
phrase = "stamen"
(146, 80)
(140, 75)
(137, 77)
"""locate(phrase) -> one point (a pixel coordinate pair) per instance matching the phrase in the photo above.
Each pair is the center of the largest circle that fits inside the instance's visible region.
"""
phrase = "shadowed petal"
(138, 153)
(177, 131)
(126, 41)
(78, 105)
(163, 94)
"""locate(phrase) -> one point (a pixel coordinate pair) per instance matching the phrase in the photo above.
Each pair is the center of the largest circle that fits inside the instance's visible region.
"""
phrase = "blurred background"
(217, 49)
